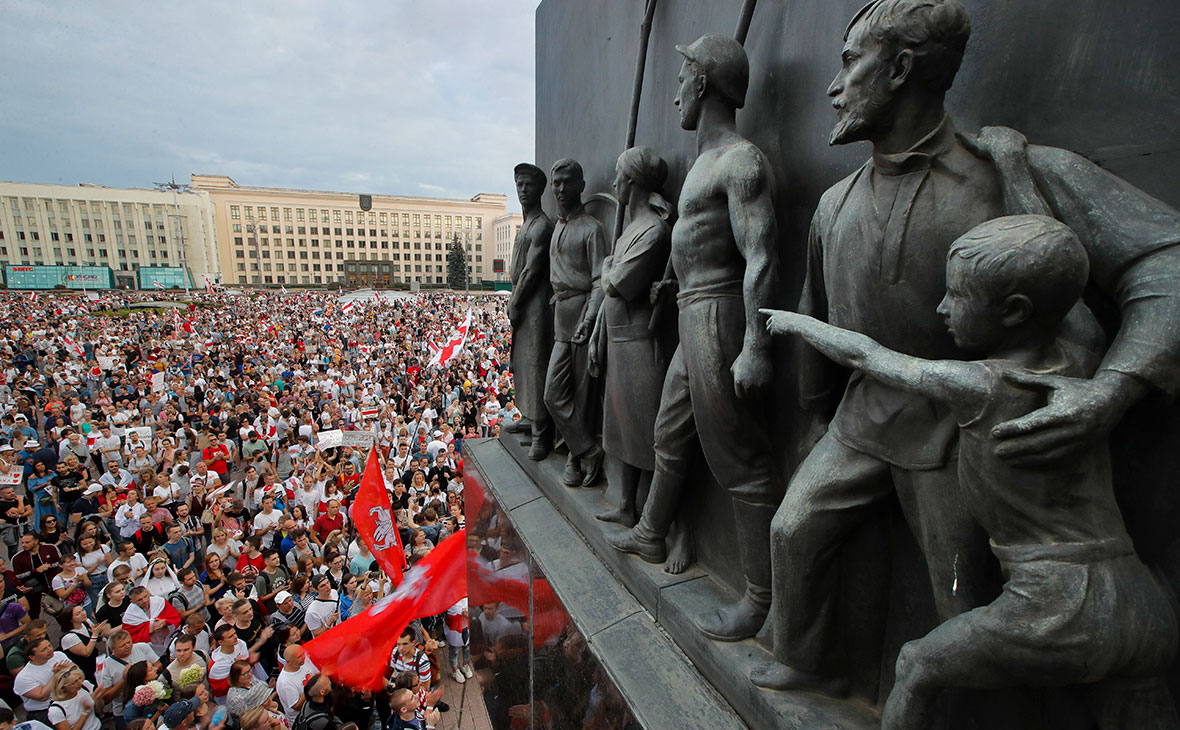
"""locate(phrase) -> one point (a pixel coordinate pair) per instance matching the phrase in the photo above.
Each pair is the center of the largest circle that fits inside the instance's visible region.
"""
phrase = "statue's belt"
(1067, 552)
(720, 290)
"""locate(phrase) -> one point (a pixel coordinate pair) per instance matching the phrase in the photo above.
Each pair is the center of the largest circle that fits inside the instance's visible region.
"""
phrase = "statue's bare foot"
(733, 622)
(680, 550)
(621, 516)
(773, 675)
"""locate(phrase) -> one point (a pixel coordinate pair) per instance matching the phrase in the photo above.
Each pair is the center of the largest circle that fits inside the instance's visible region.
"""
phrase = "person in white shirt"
(129, 557)
(33, 683)
(289, 685)
(266, 522)
(128, 514)
(122, 652)
(72, 704)
(322, 614)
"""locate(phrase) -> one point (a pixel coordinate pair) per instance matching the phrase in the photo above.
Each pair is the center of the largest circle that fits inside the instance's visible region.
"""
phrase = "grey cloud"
(391, 97)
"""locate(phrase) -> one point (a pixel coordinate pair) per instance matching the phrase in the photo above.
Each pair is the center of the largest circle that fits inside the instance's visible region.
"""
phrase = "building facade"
(504, 230)
(308, 237)
(60, 235)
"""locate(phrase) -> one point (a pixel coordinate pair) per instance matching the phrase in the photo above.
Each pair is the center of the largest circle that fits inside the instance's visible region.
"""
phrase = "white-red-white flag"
(32, 296)
(74, 347)
(451, 350)
(208, 285)
(158, 285)
(346, 307)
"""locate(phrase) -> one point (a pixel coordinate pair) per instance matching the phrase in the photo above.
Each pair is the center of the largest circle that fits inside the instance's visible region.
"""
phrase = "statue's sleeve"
(1133, 241)
(632, 274)
(596, 251)
(818, 376)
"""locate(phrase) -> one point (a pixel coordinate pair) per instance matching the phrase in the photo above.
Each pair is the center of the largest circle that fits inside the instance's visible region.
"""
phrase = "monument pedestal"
(637, 619)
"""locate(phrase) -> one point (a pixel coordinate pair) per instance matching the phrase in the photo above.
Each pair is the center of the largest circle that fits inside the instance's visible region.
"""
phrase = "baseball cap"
(282, 598)
(31, 444)
(93, 489)
(175, 715)
(724, 62)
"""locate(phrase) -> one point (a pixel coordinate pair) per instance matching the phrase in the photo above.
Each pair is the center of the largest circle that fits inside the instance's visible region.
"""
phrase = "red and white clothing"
(138, 623)
(220, 664)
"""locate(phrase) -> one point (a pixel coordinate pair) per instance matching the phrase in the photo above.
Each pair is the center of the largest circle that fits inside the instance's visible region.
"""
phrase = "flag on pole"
(74, 347)
(283, 289)
(157, 284)
(454, 346)
(32, 296)
(346, 307)
(372, 514)
(356, 652)
(208, 285)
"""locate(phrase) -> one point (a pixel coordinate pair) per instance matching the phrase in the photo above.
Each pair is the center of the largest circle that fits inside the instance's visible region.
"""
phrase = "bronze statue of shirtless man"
(725, 262)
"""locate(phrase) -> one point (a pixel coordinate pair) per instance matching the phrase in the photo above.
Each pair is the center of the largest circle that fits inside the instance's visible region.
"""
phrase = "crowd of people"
(175, 526)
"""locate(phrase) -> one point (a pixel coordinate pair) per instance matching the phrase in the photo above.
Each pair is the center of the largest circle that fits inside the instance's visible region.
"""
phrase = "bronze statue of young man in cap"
(725, 260)
(530, 310)
(575, 271)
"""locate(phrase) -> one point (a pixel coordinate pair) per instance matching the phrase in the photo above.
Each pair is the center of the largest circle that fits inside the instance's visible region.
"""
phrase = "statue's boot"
(572, 476)
(521, 426)
(743, 619)
(646, 539)
(773, 675)
(541, 443)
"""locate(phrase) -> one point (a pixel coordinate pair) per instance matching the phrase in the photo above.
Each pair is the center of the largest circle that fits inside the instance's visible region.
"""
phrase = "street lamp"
(176, 187)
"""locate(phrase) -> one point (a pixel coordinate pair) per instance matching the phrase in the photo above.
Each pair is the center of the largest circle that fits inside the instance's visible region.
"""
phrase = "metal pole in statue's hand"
(633, 118)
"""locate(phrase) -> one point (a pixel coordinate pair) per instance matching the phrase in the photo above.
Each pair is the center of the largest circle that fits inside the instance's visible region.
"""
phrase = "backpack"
(304, 720)
(171, 598)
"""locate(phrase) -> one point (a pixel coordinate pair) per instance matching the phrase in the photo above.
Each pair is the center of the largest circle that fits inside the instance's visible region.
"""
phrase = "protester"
(182, 487)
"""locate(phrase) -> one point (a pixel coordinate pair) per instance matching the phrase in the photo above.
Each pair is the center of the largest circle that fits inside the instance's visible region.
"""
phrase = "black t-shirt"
(69, 485)
(113, 615)
(251, 632)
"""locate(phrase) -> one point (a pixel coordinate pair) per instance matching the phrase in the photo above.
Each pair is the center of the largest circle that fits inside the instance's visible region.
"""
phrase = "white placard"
(158, 382)
(106, 362)
(12, 478)
(145, 433)
(357, 438)
(330, 439)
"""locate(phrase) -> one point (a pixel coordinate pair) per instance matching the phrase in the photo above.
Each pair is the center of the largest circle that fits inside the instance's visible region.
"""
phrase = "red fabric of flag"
(372, 514)
(356, 652)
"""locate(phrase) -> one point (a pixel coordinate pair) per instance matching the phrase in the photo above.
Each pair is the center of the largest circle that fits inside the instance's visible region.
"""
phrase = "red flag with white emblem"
(356, 652)
(372, 514)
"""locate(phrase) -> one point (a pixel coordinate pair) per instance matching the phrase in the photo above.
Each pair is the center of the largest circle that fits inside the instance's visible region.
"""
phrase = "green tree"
(456, 264)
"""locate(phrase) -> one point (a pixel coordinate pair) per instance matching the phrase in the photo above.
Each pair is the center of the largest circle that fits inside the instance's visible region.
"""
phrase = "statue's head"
(714, 64)
(568, 184)
(640, 166)
(530, 183)
(894, 47)
(1012, 280)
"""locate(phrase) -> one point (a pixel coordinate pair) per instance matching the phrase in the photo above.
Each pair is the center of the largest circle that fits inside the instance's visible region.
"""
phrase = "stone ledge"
(673, 600)
(659, 683)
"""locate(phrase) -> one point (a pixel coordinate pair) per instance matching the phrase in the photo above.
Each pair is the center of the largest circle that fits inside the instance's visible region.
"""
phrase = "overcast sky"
(412, 97)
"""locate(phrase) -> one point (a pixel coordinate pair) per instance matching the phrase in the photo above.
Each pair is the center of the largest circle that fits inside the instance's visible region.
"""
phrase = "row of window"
(266, 266)
(315, 242)
(72, 253)
(315, 255)
(328, 216)
(315, 231)
(281, 279)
